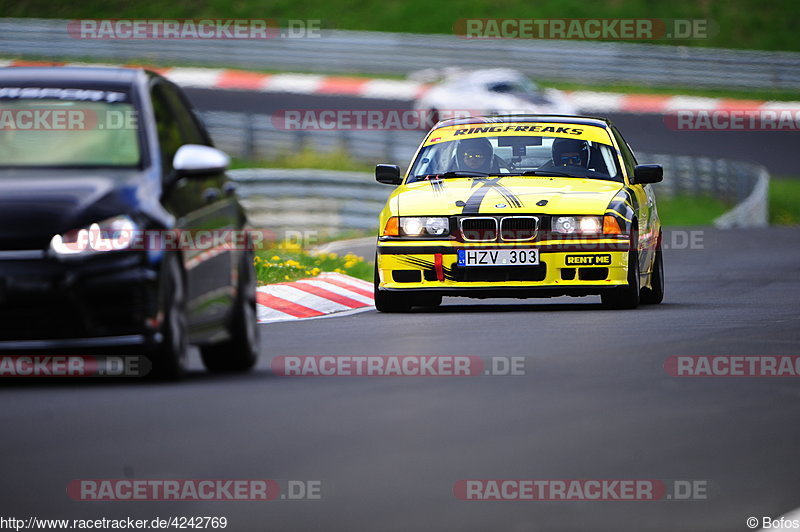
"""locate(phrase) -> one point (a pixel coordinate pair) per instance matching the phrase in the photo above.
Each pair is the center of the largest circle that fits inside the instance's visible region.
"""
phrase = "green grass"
(753, 24)
(289, 263)
(690, 210)
(779, 95)
(784, 201)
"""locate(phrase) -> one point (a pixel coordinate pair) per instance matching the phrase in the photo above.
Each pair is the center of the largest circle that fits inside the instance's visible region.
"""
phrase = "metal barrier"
(310, 199)
(401, 53)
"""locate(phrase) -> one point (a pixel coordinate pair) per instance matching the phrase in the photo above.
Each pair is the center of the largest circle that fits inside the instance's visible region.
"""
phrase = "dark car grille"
(38, 318)
(48, 316)
(501, 273)
(508, 228)
(518, 228)
(479, 229)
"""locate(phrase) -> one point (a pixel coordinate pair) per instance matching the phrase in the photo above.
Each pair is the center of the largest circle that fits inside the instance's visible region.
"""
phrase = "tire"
(655, 294)
(239, 353)
(386, 301)
(626, 297)
(169, 358)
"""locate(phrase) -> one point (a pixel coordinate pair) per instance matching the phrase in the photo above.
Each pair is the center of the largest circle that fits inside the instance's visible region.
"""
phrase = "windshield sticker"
(575, 131)
(53, 93)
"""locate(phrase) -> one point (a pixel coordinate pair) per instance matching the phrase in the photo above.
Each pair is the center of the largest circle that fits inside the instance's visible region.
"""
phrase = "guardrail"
(282, 199)
(401, 53)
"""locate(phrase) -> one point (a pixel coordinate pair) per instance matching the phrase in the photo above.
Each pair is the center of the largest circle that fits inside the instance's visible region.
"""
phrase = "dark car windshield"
(64, 133)
(520, 155)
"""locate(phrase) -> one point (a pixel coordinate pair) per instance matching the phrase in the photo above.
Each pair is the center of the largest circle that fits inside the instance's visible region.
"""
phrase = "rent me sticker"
(588, 260)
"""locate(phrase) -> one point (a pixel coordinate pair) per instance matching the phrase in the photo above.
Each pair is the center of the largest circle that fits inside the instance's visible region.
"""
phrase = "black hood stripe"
(484, 185)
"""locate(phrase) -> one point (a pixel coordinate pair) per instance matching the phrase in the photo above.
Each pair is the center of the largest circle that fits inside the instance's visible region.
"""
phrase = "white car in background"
(486, 92)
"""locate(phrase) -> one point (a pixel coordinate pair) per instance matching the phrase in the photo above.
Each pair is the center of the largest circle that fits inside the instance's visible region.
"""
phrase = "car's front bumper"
(566, 267)
(98, 304)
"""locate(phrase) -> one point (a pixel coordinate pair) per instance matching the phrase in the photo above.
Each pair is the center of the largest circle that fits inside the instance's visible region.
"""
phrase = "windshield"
(64, 133)
(513, 86)
(516, 154)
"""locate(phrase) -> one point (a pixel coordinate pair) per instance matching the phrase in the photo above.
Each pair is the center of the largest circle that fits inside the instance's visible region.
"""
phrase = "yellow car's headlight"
(571, 225)
(417, 226)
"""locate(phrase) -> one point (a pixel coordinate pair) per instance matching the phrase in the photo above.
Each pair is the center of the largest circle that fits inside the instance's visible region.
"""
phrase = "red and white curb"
(329, 293)
(586, 101)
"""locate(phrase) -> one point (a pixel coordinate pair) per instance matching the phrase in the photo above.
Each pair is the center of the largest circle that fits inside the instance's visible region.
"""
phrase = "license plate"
(498, 257)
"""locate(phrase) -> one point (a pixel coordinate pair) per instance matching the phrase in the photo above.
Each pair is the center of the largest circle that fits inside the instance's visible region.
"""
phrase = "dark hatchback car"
(102, 170)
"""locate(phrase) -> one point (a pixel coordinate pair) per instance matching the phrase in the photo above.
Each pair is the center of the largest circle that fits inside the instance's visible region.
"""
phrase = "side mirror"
(388, 174)
(648, 173)
(197, 160)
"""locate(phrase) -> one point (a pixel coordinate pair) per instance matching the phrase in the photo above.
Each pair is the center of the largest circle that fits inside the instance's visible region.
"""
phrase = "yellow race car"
(520, 206)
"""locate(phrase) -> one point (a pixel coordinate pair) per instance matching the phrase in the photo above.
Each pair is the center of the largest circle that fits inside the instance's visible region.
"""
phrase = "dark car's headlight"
(417, 226)
(586, 225)
(113, 234)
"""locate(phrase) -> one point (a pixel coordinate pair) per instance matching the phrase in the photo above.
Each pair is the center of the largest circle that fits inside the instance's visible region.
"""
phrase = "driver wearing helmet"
(570, 152)
(477, 155)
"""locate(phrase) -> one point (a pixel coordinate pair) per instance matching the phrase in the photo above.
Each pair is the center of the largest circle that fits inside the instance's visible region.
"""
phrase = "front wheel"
(169, 359)
(240, 352)
(626, 297)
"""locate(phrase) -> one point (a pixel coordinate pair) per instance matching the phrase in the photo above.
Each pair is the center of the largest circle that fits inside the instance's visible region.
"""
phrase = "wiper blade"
(452, 173)
(549, 173)
(463, 173)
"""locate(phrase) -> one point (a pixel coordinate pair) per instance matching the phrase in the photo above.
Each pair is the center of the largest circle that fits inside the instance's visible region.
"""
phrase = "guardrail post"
(249, 144)
(742, 185)
(344, 141)
(388, 145)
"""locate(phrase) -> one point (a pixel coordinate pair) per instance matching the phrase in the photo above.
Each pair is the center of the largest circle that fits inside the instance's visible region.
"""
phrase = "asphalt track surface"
(595, 403)
(645, 132)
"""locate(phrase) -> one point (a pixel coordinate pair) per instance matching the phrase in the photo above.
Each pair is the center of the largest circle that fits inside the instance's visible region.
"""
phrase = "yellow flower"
(315, 271)
(275, 257)
(286, 277)
(349, 264)
(291, 246)
(292, 263)
(332, 255)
